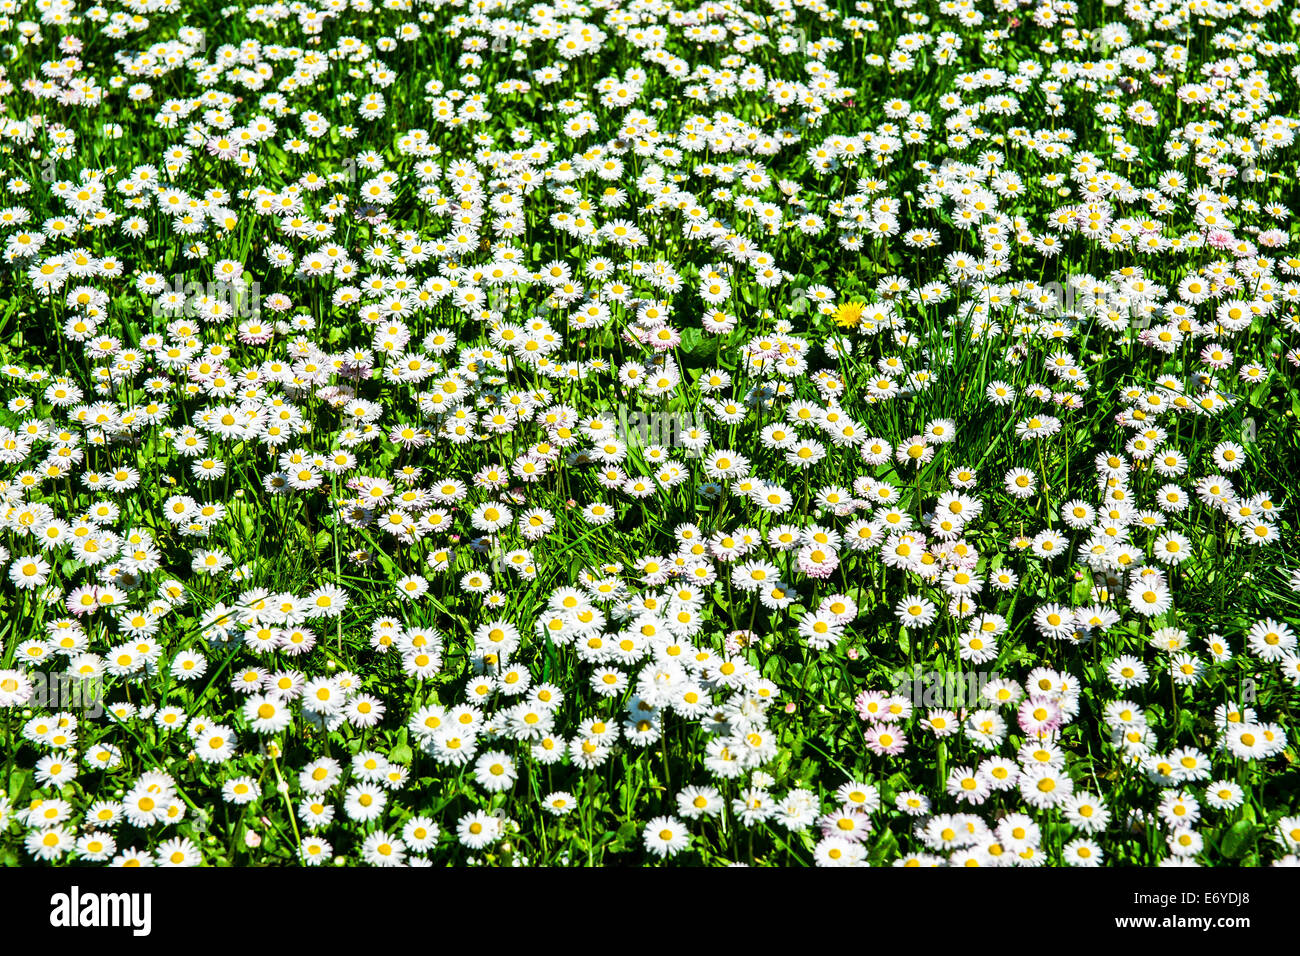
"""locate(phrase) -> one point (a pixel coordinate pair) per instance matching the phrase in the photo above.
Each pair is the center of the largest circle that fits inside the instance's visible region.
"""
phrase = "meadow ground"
(615, 433)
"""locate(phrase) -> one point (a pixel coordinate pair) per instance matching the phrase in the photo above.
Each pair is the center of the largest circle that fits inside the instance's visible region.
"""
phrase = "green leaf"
(1238, 839)
(401, 752)
(697, 350)
(18, 779)
(626, 835)
(886, 848)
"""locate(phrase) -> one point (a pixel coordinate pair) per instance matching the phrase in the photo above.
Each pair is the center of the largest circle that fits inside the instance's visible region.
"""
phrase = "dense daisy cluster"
(580, 433)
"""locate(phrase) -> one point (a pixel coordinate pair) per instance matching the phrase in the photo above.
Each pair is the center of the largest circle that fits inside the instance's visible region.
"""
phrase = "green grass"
(981, 332)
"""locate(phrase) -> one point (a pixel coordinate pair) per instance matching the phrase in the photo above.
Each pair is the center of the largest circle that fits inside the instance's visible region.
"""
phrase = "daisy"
(665, 836)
